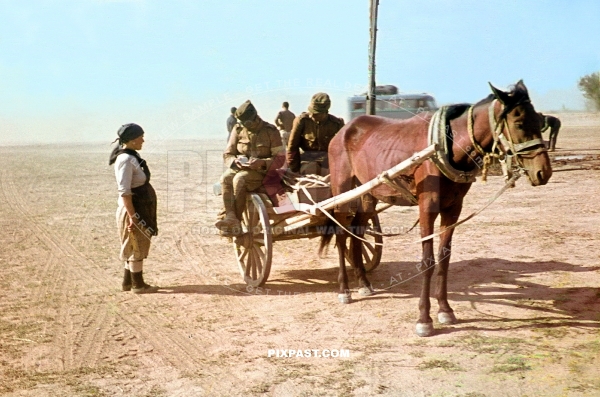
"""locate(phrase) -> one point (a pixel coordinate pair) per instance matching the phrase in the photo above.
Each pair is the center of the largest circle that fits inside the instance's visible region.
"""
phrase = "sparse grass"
(260, 388)
(443, 364)
(343, 379)
(307, 316)
(371, 346)
(492, 345)
(590, 347)
(575, 366)
(590, 385)
(512, 364)
(157, 391)
(291, 370)
(24, 380)
(557, 332)
(205, 323)
(94, 391)
(421, 342)
(446, 343)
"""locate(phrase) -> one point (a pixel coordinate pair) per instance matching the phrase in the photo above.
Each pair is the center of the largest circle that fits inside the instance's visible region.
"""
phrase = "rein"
(503, 148)
(509, 184)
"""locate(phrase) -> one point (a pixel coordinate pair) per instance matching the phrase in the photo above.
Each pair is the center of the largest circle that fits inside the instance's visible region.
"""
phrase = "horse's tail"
(326, 236)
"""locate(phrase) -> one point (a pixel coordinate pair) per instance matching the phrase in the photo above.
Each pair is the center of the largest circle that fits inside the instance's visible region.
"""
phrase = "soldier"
(554, 124)
(231, 121)
(253, 155)
(312, 132)
(285, 121)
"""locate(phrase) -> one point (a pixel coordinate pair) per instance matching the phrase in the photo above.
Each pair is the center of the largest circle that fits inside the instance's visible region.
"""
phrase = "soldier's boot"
(126, 280)
(230, 221)
(139, 286)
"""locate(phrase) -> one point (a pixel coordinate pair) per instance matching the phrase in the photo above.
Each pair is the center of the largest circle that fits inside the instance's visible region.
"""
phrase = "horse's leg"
(340, 241)
(448, 218)
(427, 266)
(356, 250)
(361, 220)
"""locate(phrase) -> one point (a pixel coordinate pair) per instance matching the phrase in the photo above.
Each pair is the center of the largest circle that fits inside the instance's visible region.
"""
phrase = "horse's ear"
(521, 86)
(500, 95)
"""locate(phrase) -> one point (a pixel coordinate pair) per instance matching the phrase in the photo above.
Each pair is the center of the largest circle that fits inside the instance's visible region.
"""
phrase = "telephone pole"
(373, 33)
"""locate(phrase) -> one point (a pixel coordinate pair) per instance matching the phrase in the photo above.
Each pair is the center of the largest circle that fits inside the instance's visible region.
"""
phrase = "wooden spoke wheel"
(254, 246)
(372, 249)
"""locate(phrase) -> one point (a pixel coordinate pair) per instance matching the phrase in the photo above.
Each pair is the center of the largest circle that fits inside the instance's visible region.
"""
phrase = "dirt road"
(524, 284)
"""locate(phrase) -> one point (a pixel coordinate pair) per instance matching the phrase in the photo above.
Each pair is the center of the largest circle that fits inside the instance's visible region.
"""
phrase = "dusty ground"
(524, 283)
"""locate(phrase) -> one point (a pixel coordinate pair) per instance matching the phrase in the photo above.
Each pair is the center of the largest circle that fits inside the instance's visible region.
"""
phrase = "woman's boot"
(139, 286)
(126, 280)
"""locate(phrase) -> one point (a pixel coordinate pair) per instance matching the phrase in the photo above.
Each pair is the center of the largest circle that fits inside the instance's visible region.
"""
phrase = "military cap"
(319, 103)
(246, 111)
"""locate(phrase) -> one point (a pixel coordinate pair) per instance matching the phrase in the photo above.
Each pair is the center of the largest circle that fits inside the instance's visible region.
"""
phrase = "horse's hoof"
(366, 291)
(447, 318)
(345, 298)
(425, 329)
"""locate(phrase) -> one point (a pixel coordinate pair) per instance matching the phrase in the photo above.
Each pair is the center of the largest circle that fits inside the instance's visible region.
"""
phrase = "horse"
(504, 125)
(554, 124)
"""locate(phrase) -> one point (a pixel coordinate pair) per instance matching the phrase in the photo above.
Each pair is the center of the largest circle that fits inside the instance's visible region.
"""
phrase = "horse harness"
(503, 148)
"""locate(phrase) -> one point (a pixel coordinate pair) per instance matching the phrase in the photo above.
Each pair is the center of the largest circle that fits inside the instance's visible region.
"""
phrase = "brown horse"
(505, 125)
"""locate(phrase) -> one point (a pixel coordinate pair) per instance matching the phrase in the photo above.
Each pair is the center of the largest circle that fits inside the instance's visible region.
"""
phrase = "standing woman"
(136, 215)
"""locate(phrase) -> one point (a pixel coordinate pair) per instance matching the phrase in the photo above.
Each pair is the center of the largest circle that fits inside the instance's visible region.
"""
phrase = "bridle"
(504, 148)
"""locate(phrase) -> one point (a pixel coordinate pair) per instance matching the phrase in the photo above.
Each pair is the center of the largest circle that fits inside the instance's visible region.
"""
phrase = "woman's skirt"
(135, 245)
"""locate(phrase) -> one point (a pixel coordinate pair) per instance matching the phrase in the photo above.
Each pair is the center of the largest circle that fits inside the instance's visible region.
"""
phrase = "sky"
(74, 71)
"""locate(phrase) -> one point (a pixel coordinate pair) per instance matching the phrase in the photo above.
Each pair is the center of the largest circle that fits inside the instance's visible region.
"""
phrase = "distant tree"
(590, 86)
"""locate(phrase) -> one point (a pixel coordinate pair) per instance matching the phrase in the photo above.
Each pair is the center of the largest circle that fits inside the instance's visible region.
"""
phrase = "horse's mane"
(487, 99)
(454, 111)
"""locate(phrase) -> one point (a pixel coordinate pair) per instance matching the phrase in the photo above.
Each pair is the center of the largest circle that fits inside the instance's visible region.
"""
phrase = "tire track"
(49, 269)
(176, 351)
(68, 271)
(64, 273)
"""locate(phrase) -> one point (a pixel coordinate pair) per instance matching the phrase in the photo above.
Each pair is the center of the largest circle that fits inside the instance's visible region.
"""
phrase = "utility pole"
(373, 22)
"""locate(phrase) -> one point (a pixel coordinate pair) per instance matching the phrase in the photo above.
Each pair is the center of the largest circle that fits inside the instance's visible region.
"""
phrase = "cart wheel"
(370, 250)
(254, 247)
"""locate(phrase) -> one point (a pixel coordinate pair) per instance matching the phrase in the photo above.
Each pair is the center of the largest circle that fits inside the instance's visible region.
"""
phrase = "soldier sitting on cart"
(253, 154)
(312, 131)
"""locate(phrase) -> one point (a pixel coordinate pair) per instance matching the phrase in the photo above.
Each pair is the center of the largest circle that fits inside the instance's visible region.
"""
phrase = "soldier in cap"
(312, 131)
(253, 155)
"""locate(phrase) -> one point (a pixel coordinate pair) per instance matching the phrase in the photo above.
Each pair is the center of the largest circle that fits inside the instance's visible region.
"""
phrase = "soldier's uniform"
(554, 124)
(255, 139)
(312, 137)
(285, 121)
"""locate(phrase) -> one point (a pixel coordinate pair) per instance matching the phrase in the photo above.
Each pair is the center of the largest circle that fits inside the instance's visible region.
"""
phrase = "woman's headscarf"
(126, 133)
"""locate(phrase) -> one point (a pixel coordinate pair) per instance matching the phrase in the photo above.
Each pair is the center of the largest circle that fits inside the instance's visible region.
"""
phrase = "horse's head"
(520, 133)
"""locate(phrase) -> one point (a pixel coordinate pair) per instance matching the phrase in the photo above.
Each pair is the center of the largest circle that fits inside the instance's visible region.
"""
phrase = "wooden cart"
(263, 224)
